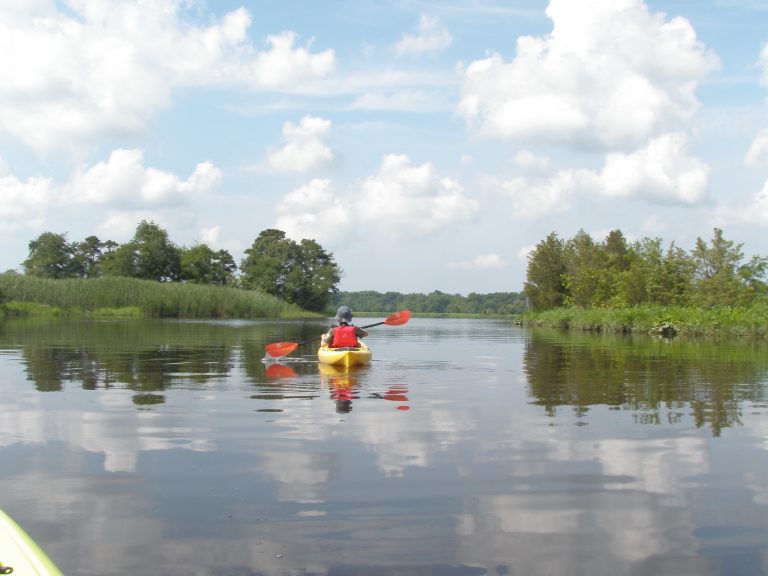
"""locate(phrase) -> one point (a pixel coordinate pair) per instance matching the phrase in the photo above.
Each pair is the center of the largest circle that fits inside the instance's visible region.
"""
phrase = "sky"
(427, 144)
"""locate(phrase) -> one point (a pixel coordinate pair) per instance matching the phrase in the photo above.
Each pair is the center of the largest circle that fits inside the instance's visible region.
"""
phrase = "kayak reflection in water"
(345, 334)
(343, 386)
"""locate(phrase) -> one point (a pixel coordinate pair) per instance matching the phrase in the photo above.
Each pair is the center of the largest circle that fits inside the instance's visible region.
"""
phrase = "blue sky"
(429, 145)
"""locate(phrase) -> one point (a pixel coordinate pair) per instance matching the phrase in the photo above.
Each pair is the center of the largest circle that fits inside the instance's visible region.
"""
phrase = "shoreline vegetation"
(121, 297)
(300, 273)
(667, 321)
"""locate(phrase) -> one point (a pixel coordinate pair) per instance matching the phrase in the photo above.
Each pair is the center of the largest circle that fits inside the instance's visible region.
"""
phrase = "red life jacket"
(344, 337)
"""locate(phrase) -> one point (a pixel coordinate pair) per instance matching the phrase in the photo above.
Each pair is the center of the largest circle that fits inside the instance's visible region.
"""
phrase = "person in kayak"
(346, 334)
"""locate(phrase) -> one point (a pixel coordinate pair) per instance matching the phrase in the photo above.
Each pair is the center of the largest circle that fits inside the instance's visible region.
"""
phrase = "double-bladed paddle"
(282, 348)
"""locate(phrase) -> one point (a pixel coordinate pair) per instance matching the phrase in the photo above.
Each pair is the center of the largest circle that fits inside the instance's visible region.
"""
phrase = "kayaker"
(346, 334)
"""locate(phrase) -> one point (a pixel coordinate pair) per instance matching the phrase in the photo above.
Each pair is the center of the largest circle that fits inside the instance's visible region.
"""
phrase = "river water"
(466, 448)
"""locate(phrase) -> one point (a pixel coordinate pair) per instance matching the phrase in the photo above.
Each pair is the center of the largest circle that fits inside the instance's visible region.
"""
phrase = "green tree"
(120, 260)
(50, 256)
(545, 279)
(614, 262)
(267, 263)
(675, 283)
(720, 278)
(634, 284)
(437, 302)
(224, 269)
(149, 255)
(87, 257)
(157, 258)
(314, 276)
(304, 273)
(584, 263)
(201, 265)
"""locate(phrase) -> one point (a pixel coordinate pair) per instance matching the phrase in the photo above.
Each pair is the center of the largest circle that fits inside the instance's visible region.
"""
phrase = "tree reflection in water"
(657, 379)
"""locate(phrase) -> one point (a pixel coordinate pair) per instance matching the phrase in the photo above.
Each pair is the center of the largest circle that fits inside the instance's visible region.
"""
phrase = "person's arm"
(327, 338)
(360, 332)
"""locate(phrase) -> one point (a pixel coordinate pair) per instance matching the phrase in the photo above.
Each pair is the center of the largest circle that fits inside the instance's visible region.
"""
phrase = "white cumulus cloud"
(401, 198)
(532, 200)
(23, 203)
(122, 185)
(402, 101)
(753, 212)
(610, 74)
(398, 200)
(305, 147)
(482, 262)
(312, 211)
(758, 150)
(757, 210)
(530, 161)
(525, 251)
(124, 181)
(661, 172)
(79, 70)
(210, 236)
(430, 36)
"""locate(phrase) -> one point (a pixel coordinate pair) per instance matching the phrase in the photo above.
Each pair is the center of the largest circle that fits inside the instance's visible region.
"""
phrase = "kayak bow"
(19, 554)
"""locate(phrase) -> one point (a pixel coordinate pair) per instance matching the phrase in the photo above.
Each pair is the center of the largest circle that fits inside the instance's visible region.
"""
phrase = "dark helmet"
(343, 314)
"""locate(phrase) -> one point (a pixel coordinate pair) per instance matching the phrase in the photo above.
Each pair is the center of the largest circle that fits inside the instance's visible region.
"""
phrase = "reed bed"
(116, 296)
(749, 322)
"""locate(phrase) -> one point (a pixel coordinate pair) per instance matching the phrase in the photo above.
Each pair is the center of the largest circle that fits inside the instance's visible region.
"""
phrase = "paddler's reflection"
(342, 383)
(344, 387)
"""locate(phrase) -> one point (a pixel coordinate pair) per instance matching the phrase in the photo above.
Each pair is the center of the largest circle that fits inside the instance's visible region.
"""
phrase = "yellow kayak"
(19, 554)
(346, 357)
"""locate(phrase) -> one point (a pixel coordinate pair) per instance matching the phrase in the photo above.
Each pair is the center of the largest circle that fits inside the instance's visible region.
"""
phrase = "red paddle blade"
(281, 348)
(280, 371)
(398, 318)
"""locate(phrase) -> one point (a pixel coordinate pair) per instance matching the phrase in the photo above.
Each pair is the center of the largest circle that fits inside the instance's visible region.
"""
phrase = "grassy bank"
(130, 297)
(749, 322)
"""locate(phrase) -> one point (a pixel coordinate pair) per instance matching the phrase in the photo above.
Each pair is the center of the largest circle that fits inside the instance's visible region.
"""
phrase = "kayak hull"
(19, 552)
(345, 357)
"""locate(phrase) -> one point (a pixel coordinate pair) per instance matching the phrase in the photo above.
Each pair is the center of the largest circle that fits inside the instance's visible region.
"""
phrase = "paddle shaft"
(372, 325)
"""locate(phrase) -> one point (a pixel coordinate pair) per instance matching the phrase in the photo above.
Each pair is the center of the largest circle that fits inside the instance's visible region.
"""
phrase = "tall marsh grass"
(130, 296)
(729, 321)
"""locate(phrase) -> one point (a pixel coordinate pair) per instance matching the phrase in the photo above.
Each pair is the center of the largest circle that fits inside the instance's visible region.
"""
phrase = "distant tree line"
(436, 302)
(302, 273)
(582, 272)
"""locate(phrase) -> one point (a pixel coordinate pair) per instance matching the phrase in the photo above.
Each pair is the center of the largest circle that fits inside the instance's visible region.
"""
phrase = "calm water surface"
(465, 448)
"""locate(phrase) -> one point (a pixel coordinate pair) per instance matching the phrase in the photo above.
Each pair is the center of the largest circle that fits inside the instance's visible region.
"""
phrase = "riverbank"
(751, 322)
(116, 297)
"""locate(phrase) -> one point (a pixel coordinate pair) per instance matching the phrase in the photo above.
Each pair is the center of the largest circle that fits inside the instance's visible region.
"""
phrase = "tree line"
(497, 303)
(582, 272)
(302, 272)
